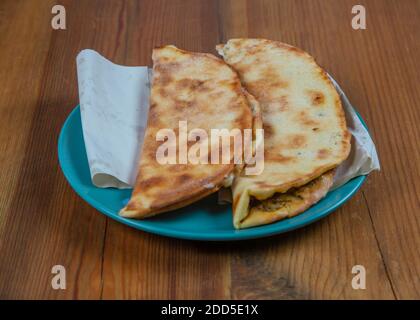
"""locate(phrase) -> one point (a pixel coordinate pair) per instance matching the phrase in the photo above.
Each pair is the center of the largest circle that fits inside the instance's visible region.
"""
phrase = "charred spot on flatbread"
(317, 98)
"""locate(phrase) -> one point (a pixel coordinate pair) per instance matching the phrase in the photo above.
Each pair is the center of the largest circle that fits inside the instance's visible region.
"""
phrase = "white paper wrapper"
(363, 157)
(114, 104)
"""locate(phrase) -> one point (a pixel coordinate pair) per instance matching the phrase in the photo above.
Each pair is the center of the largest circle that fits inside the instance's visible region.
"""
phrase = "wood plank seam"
(220, 32)
(103, 258)
(121, 18)
(379, 246)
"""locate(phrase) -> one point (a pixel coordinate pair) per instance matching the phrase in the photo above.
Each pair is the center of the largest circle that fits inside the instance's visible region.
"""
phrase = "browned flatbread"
(305, 133)
(289, 204)
(198, 88)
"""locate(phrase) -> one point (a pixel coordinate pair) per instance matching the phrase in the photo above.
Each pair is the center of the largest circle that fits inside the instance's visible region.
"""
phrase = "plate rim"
(233, 235)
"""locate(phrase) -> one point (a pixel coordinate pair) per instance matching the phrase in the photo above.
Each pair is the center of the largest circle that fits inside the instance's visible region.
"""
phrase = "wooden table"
(44, 223)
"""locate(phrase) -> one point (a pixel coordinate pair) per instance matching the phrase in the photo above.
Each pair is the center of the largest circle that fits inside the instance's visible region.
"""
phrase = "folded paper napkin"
(114, 103)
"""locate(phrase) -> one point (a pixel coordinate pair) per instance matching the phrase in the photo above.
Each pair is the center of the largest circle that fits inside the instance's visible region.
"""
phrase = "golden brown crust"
(305, 128)
(289, 204)
(198, 88)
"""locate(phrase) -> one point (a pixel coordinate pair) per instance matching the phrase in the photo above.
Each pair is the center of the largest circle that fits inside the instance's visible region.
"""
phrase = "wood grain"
(43, 222)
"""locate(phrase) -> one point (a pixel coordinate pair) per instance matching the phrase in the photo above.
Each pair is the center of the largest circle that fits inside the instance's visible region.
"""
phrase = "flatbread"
(305, 133)
(198, 88)
(289, 204)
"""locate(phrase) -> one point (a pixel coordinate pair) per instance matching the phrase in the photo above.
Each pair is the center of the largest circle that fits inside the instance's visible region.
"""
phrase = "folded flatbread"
(203, 91)
(305, 133)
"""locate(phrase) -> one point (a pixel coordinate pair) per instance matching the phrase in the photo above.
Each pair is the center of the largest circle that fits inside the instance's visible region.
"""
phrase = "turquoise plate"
(203, 220)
